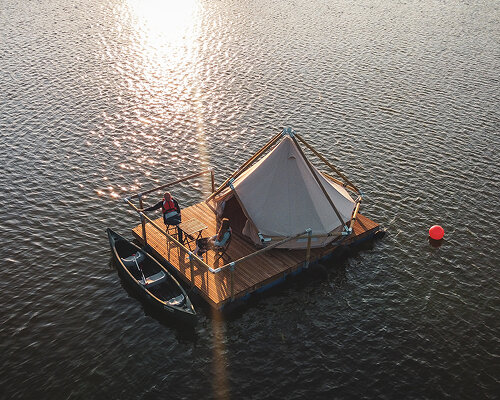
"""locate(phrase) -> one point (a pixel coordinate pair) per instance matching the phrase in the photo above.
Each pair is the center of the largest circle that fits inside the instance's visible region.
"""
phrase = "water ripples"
(102, 100)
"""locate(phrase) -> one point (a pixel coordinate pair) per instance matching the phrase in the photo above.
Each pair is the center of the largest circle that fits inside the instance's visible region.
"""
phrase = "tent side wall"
(282, 194)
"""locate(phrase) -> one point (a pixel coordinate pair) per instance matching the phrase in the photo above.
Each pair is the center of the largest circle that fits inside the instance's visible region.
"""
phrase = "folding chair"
(220, 252)
(172, 223)
(169, 228)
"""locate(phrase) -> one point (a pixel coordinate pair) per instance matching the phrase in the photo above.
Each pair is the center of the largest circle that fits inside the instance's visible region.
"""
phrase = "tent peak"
(288, 132)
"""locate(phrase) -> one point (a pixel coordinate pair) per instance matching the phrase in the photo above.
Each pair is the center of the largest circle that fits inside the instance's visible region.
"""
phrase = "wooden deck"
(249, 276)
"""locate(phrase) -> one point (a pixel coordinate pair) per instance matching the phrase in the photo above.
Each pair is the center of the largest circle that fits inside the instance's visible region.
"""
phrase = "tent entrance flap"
(233, 211)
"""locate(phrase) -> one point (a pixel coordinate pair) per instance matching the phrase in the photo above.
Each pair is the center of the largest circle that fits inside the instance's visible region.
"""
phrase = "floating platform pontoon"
(255, 274)
(284, 213)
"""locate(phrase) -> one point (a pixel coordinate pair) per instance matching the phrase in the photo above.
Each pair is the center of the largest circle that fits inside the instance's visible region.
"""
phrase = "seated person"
(171, 212)
(214, 242)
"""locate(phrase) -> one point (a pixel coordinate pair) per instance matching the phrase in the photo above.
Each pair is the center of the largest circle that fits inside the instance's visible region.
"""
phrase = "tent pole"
(355, 214)
(211, 207)
(339, 182)
(242, 168)
(319, 183)
(327, 162)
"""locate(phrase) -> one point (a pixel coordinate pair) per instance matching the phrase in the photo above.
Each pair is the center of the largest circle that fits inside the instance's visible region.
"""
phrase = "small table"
(190, 228)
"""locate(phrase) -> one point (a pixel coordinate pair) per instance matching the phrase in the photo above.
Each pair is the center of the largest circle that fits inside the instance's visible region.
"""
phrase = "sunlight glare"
(164, 22)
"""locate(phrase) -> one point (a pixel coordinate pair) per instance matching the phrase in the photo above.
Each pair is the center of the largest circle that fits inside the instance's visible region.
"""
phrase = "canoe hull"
(181, 312)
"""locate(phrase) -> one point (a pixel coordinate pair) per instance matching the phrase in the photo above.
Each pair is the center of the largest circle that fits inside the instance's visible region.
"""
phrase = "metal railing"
(193, 259)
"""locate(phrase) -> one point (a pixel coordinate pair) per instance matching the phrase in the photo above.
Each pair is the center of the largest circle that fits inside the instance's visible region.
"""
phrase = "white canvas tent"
(282, 195)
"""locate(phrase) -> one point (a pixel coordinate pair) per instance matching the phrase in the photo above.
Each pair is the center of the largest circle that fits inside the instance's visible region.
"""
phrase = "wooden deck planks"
(248, 276)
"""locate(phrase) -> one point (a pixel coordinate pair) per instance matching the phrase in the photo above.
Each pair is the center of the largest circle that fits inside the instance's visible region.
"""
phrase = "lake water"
(102, 99)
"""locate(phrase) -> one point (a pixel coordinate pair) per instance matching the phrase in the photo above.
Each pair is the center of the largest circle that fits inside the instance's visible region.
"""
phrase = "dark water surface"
(101, 99)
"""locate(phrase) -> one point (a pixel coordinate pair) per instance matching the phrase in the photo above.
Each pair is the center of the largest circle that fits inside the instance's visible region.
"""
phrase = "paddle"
(140, 269)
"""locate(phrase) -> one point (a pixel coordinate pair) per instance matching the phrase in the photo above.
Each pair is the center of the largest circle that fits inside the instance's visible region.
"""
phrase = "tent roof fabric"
(282, 197)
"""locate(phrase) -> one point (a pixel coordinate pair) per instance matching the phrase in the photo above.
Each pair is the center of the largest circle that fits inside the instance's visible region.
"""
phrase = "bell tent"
(282, 194)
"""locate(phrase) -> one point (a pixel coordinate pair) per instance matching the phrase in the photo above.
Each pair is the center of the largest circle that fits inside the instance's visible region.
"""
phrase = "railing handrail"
(137, 195)
(199, 260)
(188, 251)
(267, 248)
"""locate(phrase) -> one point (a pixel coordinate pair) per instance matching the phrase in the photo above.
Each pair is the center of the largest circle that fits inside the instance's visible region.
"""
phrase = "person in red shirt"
(170, 210)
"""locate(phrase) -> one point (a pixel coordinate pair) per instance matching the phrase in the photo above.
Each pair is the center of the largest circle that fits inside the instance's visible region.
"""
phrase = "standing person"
(216, 241)
(171, 212)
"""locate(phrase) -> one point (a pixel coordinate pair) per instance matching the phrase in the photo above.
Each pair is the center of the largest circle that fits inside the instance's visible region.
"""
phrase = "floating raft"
(250, 276)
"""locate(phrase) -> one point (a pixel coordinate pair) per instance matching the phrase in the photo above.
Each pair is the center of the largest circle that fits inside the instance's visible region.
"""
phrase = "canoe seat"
(154, 279)
(177, 301)
(131, 260)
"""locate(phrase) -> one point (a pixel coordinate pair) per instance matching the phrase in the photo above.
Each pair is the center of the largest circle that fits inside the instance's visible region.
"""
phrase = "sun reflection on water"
(220, 382)
(167, 22)
(164, 36)
(165, 48)
(159, 68)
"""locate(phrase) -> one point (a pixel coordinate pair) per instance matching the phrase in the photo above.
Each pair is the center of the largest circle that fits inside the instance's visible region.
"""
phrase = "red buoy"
(436, 232)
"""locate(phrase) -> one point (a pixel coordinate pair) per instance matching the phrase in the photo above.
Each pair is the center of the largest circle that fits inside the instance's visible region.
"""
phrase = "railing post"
(212, 176)
(231, 268)
(308, 252)
(191, 267)
(143, 222)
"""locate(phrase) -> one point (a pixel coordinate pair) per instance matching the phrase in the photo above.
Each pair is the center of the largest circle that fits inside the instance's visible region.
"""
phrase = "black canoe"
(151, 279)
